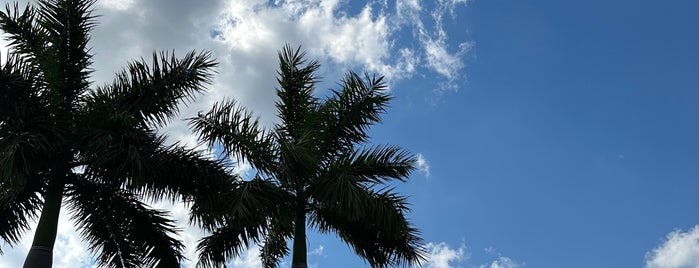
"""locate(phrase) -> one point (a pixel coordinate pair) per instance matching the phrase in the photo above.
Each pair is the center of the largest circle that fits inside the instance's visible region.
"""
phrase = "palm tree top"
(52, 121)
(314, 166)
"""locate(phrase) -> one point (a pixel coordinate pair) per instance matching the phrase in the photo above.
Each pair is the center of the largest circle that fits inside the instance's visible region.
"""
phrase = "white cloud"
(423, 165)
(243, 168)
(117, 4)
(317, 251)
(443, 256)
(249, 259)
(438, 55)
(502, 262)
(679, 249)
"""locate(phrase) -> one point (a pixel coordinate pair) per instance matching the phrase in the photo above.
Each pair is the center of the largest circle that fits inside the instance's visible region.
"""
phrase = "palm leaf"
(18, 87)
(249, 200)
(297, 81)
(229, 241)
(27, 37)
(240, 135)
(352, 110)
(27, 129)
(124, 230)
(275, 247)
(376, 164)
(67, 24)
(248, 212)
(380, 234)
(152, 93)
(19, 204)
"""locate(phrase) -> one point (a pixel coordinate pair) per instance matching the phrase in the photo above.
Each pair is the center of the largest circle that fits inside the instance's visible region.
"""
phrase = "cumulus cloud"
(245, 36)
(679, 249)
(441, 255)
(423, 165)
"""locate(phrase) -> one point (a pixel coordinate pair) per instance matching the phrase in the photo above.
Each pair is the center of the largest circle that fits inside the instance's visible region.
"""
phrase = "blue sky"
(553, 133)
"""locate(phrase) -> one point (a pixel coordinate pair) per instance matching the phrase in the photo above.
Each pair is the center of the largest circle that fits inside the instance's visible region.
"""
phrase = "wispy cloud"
(679, 249)
(439, 56)
(423, 165)
(502, 262)
(317, 251)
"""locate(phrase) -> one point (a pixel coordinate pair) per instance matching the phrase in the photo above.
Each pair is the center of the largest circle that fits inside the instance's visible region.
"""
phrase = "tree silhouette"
(314, 170)
(97, 149)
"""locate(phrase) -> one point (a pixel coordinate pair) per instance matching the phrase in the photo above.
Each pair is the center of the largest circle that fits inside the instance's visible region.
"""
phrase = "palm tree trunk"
(41, 253)
(298, 259)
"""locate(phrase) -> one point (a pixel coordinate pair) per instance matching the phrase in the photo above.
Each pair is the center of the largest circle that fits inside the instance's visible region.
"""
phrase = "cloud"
(441, 255)
(117, 4)
(423, 165)
(439, 55)
(249, 259)
(679, 249)
(317, 251)
(502, 262)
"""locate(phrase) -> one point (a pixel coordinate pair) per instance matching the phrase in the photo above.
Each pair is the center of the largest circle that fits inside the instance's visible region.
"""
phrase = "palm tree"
(97, 150)
(314, 170)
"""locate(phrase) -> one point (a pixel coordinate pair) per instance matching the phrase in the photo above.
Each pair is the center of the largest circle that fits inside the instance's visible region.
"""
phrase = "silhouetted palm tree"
(94, 149)
(314, 170)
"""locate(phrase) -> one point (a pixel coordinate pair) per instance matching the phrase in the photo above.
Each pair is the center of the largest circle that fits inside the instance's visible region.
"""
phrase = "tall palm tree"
(314, 170)
(97, 150)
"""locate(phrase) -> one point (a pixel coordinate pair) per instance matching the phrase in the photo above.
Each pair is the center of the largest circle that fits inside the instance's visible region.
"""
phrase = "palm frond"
(382, 235)
(296, 84)
(67, 25)
(229, 241)
(275, 247)
(114, 147)
(124, 230)
(185, 172)
(297, 160)
(27, 37)
(341, 190)
(240, 135)
(152, 94)
(352, 110)
(249, 200)
(245, 216)
(18, 87)
(376, 164)
(27, 145)
(27, 129)
(19, 204)
(122, 154)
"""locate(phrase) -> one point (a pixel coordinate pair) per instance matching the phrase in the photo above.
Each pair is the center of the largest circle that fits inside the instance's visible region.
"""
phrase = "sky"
(549, 133)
